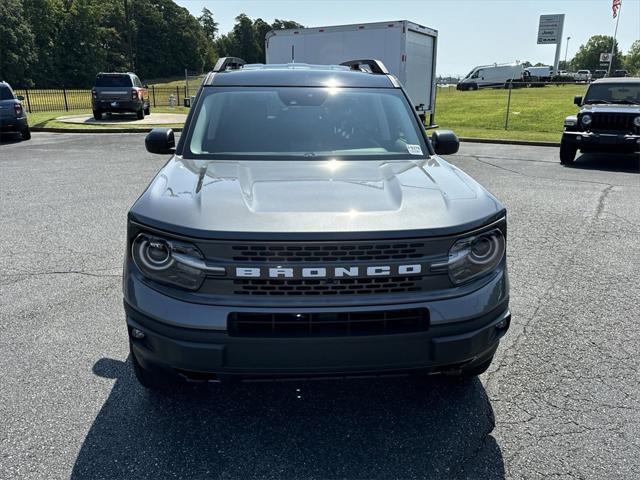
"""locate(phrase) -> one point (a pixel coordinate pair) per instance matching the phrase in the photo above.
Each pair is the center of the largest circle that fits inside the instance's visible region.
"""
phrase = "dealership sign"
(550, 29)
(605, 57)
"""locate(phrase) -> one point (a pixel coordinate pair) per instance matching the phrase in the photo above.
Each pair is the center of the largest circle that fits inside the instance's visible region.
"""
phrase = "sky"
(470, 32)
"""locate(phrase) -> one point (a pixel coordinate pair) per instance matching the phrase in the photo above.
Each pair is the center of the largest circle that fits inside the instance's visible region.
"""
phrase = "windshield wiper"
(596, 101)
(627, 102)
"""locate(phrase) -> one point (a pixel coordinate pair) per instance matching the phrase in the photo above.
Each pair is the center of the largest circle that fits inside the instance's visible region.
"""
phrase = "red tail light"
(18, 108)
(94, 94)
(134, 94)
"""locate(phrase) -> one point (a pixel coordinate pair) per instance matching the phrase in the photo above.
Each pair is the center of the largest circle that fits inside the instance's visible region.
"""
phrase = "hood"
(217, 198)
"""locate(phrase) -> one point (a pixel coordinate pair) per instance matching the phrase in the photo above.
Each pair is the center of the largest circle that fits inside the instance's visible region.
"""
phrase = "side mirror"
(577, 100)
(161, 141)
(445, 142)
(20, 97)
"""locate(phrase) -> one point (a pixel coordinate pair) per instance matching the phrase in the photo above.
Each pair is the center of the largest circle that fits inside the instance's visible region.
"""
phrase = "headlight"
(636, 121)
(474, 256)
(169, 261)
(586, 120)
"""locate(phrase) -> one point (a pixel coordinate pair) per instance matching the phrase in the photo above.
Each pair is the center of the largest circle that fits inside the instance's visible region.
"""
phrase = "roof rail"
(376, 66)
(228, 63)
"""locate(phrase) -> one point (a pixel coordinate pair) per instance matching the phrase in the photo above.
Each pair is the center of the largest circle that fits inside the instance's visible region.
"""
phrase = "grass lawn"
(194, 82)
(48, 119)
(535, 113)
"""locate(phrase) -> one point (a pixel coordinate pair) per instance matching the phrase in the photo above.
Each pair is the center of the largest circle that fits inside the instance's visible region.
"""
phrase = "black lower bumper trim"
(218, 354)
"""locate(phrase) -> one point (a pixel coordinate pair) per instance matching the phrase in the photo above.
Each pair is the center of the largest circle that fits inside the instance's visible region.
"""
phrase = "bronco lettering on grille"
(324, 272)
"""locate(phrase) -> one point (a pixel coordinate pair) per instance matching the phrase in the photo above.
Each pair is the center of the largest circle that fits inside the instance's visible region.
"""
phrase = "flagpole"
(613, 44)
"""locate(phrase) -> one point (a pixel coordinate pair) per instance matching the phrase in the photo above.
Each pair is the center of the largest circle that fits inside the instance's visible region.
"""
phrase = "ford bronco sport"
(608, 120)
(305, 226)
(119, 93)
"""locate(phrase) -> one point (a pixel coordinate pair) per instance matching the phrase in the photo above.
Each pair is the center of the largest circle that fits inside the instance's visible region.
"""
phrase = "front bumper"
(463, 331)
(603, 142)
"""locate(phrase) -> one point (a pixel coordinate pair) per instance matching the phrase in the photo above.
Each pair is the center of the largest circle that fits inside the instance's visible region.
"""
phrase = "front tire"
(97, 114)
(567, 153)
(26, 134)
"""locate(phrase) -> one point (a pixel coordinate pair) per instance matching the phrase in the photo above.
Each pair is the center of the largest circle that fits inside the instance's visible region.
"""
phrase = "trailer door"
(419, 68)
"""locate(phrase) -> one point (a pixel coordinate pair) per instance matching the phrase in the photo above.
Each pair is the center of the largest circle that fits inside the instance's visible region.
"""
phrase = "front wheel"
(26, 134)
(97, 114)
(567, 153)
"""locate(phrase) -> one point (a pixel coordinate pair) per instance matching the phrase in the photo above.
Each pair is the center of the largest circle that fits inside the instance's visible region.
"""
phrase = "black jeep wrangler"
(306, 226)
(608, 120)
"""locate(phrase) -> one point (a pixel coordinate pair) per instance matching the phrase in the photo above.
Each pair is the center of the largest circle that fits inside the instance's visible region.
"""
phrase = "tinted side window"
(5, 93)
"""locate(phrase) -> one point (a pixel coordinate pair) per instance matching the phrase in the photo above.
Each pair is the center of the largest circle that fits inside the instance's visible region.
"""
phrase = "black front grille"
(328, 324)
(327, 252)
(621, 122)
(337, 286)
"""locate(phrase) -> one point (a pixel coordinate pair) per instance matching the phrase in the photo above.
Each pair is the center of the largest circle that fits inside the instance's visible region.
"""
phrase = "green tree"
(260, 29)
(245, 38)
(209, 25)
(588, 56)
(17, 47)
(284, 24)
(632, 59)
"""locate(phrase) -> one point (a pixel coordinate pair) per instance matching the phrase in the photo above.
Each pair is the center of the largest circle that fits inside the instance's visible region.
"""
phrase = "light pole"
(565, 52)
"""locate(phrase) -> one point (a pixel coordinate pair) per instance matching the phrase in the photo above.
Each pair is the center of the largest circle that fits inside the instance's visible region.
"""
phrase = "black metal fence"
(66, 99)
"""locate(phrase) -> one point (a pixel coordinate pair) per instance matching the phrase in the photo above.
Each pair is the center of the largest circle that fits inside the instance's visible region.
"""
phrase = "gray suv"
(13, 117)
(306, 226)
(119, 93)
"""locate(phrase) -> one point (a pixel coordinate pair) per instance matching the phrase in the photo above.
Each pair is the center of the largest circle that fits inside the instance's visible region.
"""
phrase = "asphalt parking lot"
(561, 400)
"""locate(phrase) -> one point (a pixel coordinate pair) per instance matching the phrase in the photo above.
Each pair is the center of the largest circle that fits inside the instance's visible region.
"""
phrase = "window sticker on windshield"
(414, 149)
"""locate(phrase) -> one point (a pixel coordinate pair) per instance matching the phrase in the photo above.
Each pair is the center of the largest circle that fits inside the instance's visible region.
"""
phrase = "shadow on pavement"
(9, 138)
(628, 163)
(394, 427)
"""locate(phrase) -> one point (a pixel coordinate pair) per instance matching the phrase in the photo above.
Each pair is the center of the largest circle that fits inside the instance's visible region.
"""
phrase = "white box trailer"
(407, 49)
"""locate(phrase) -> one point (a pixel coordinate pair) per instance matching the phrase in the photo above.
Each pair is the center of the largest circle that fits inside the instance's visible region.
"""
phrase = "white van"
(538, 74)
(496, 75)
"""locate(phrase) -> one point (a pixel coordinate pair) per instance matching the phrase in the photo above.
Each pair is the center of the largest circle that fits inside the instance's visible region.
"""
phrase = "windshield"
(292, 122)
(113, 81)
(613, 93)
(5, 93)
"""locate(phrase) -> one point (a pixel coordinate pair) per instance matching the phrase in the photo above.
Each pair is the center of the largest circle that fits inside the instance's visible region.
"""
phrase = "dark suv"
(608, 120)
(306, 226)
(13, 117)
(119, 93)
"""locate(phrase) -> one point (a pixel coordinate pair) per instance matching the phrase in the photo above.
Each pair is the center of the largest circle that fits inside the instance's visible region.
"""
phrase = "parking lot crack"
(95, 273)
(483, 160)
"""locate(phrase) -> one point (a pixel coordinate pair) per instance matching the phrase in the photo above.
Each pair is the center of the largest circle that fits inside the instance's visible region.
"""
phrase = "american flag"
(615, 7)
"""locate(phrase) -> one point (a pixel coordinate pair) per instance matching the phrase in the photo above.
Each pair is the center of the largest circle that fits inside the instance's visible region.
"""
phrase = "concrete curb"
(99, 130)
(510, 142)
